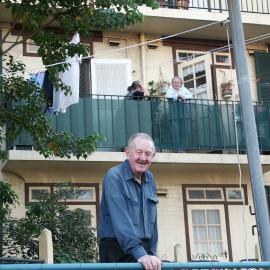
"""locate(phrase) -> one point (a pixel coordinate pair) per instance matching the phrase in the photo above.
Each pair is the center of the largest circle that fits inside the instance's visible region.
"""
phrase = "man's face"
(140, 155)
(176, 84)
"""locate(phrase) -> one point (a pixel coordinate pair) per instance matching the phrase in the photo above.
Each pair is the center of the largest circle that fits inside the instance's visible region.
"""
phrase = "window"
(110, 76)
(223, 59)
(204, 194)
(37, 193)
(30, 48)
(79, 194)
(183, 56)
(82, 195)
(207, 231)
(234, 194)
(196, 75)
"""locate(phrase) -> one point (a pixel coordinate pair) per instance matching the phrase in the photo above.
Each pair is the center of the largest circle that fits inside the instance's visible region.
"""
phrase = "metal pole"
(253, 154)
(136, 266)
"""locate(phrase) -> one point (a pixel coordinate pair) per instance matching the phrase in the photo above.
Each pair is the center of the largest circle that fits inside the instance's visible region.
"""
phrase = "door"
(196, 75)
(207, 232)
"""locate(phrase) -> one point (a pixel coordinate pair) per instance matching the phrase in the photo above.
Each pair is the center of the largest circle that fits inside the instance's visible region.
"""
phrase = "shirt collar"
(128, 174)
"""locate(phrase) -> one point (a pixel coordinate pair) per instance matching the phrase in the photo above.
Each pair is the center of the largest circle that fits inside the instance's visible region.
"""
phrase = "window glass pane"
(198, 217)
(215, 248)
(222, 59)
(213, 194)
(234, 194)
(83, 194)
(214, 233)
(200, 233)
(199, 69)
(213, 216)
(77, 193)
(196, 194)
(38, 194)
(188, 73)
(201, 247)
(189, 85)
(201, 82)
(183, 56)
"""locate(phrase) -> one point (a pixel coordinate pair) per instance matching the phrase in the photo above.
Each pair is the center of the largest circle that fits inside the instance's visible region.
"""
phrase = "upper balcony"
(194, 126)
(184, 16)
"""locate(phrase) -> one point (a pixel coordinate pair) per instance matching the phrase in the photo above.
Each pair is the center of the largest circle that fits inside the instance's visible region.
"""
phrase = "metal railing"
(249, 6)
(135, 266)
(193, 125)
(4, 260)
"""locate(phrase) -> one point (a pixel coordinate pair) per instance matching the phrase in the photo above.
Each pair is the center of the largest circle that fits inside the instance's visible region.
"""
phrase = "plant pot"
(183, 4)
(226, 90)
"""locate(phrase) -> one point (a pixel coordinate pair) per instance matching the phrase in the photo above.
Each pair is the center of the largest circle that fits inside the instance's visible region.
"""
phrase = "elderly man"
(128, 212)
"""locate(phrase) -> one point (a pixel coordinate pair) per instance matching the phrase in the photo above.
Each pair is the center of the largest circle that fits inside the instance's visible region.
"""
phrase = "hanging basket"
(226, 90)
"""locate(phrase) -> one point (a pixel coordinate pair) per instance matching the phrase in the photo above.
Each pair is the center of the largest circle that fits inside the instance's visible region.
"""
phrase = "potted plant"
(226, 89)
(158, 88)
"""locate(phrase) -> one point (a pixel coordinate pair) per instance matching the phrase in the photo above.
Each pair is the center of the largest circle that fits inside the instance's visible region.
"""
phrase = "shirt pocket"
(134, 210)
(152, 207)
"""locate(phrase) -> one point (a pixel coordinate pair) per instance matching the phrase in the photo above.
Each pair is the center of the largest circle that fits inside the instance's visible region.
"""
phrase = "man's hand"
(150, 262)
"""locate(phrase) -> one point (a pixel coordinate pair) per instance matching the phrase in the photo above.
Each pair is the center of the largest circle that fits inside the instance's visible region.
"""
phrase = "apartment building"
(205, 208)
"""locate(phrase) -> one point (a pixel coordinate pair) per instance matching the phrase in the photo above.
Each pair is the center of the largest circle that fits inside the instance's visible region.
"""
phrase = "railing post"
(209, 5)
(46, 246)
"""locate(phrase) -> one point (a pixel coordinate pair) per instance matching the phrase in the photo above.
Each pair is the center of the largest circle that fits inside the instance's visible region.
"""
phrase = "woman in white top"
(177, 90)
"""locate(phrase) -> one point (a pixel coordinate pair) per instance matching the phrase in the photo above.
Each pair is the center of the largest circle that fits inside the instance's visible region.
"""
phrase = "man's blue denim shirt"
(128, 211)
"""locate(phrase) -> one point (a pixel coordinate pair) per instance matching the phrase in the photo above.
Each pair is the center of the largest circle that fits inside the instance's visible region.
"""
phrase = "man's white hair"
(143, 136)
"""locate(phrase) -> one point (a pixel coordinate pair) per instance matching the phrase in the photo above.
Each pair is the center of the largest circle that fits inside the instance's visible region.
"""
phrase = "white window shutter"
(110, 76)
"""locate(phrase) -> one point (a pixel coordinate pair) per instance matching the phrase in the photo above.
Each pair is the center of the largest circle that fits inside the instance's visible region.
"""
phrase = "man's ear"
(126, 151)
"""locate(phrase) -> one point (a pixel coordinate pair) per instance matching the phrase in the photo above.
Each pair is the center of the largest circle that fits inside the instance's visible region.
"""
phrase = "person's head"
(176, 83)
(136, 85)
(140, 152)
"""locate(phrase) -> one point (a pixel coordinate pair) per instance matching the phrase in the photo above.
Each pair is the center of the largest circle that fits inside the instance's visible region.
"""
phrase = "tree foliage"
(50, 24)
(8, 198)
(74, 239)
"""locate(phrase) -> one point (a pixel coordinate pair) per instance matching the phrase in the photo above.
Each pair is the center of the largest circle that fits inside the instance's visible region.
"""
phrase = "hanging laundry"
(37, 78)
(70, 77)
(41, 79)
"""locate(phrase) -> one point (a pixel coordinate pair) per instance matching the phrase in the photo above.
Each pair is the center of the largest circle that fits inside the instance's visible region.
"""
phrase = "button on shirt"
(128, 210)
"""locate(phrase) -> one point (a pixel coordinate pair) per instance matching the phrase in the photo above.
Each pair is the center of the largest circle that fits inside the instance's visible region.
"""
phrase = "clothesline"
(120, 49)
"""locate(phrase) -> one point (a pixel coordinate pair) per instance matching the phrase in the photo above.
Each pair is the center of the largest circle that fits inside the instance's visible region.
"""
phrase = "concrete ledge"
(190, 158)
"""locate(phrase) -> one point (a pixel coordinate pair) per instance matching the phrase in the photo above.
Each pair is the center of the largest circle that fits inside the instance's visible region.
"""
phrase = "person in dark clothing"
(137, 91)
(128, 210)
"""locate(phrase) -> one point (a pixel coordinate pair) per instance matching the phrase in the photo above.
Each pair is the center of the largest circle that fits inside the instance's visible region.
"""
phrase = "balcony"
(194, 126)
(250, 6)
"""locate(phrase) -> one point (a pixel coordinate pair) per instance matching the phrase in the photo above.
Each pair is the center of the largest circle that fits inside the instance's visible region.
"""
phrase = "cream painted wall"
(33, 64)
(243, 242)
(171, 223)
(18, 185)
(159, 63)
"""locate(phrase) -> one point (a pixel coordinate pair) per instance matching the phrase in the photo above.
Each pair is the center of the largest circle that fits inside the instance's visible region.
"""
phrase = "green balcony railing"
(193, 125)
(137, 266)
